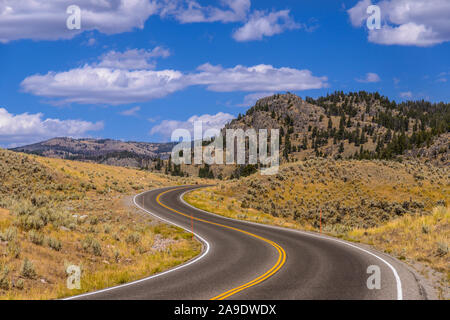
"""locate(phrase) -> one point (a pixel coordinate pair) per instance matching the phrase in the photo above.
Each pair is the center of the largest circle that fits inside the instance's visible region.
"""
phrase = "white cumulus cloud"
(46, 20)
(407, 22)
(189, 11)
(133, 59)
(25, 128)
(217, 121)
(257, 24)
(407, 94)
(112, 83)
(95, 85)
(131, 112)
(370, 78)
(263, 24)
(250, 99)
(256, 78)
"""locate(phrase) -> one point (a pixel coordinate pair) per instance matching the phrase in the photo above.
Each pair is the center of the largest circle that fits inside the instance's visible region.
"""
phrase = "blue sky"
(137, 72)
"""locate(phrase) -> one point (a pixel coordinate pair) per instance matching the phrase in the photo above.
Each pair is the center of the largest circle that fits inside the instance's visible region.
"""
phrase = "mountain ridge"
(104, 151)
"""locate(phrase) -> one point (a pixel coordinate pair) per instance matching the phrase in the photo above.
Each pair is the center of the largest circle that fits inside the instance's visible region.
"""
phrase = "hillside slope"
(357, 125)
(350, 193)
(401, 208)
(105, 151)
(55, 213)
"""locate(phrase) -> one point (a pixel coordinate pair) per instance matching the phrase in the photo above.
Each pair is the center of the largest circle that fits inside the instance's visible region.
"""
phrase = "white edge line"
(156, 275)
(396, 276)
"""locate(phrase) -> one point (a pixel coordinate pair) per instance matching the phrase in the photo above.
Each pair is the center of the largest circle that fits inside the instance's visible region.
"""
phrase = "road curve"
(244, 260)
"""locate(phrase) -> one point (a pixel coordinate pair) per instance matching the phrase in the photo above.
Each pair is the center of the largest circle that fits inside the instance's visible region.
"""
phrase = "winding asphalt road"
(243, 260)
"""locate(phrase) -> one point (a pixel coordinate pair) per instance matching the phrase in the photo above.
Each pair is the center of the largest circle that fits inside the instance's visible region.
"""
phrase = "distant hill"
(105, 151)
(357, 125)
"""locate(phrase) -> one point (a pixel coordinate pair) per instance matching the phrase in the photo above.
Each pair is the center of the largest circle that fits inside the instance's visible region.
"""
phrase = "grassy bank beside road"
(55, 213)
(399, 208)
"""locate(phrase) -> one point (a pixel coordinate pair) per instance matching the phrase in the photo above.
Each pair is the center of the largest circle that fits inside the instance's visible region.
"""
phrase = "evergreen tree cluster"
(206, 172)
(427, 120)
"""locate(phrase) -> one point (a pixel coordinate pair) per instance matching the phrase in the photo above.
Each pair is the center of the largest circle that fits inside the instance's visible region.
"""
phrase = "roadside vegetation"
(424, 239)
(398, 207)
(55, 213)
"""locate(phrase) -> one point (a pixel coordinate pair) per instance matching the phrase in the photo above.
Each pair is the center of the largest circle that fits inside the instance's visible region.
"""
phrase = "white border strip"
(396, 276)
(159, 274)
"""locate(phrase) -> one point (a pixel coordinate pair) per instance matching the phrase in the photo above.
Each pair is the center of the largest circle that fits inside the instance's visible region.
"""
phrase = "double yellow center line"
(277, 266)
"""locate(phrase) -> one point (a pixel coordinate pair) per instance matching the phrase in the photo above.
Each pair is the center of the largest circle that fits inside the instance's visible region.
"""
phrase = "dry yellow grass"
(392, 206)
(350, 193)
(224, 204)
(110, 178)
(421, 238)
(101, 231)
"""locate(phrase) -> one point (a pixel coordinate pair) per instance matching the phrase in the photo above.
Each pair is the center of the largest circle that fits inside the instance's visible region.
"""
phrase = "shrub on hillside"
(27, 270)
(92, 245)
(54, 244)
(14, 249)
(4, 281)
(133, 238)
(9, 234)
(36, 237)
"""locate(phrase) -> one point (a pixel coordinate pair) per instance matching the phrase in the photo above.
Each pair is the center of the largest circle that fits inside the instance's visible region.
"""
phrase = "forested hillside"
(357, 125)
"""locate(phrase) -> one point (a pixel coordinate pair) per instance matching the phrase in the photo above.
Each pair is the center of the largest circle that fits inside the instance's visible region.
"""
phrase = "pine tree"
(388, 136)
(341, 128)
(305, 143)
(349, 122)
(158, 164)
(357, 140)
(363, 138)
(341, 147)
(287, 147)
